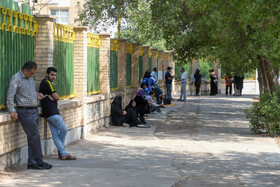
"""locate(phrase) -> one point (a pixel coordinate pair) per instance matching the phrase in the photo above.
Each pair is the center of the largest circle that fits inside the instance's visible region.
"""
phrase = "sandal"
(68, 157)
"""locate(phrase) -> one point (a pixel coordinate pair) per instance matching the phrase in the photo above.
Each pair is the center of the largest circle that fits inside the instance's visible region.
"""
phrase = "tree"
(240, 35)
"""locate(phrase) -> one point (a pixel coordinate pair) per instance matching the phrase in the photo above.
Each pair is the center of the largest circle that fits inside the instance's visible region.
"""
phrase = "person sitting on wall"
(147, 82)
(120, 116)
(154, 75)
(154, 108)
(142, 105)
(51, 113)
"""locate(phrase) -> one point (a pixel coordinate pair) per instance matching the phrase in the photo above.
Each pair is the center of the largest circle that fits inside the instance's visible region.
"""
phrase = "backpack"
(167, 101)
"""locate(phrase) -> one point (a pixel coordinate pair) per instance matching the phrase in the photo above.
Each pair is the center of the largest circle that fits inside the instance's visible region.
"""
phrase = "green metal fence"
(128, 65)
(93, 86)
(17, 32)
(114, 48)
(140, 70)
(64, 60)
(150, 63)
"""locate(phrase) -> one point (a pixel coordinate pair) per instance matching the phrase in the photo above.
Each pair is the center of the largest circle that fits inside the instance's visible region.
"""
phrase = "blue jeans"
(168, 86)
(59, 131)
(158, 93)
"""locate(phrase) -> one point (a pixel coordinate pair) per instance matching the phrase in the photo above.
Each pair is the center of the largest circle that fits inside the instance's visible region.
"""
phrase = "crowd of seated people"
(145, 102)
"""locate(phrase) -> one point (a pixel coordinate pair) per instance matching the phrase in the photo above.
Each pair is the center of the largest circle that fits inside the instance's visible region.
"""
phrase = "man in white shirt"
(183, 80)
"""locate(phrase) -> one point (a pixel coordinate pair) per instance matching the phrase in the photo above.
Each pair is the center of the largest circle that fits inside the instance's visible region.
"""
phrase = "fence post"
(43, 53)
(135, 65)
(104, 68)
(80, 70)
(145, 59)
(122, 68)
(160, 63)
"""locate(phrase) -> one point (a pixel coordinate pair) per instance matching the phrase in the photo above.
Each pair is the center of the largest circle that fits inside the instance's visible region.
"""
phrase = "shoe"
(162, 107)
(35, 166)
(179, 99)
(68, 157)
(125, 125)
(45, 165)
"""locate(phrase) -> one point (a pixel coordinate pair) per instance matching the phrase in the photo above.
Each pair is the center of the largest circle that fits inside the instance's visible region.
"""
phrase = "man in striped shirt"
(22, 91)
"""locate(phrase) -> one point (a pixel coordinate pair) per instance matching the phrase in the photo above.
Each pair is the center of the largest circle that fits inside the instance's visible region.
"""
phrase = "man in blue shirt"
(154, 76)
(168, 81)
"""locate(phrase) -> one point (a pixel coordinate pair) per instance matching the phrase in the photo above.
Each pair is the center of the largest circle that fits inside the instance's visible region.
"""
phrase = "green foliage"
(264, 115)
(204, 68)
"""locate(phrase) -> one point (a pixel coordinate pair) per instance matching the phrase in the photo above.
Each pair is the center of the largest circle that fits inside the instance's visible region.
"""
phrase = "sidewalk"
(203, 142)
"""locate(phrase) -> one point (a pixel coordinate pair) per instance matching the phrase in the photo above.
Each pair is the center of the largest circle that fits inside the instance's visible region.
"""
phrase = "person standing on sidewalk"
(51, 113)
(197, 82)
(154, 75)
(228, 80)
(168, 82)
(183, 80)
(22, 91)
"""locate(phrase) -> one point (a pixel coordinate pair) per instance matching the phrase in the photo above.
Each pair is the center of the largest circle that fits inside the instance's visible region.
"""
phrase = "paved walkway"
(203, 142)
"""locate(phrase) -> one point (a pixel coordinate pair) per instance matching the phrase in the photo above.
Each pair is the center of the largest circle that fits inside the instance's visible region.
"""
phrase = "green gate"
(64, 37)
(150, 60)
(114, 48)
(93, 44)
(128, 65)
(17, 32)
(140, 67)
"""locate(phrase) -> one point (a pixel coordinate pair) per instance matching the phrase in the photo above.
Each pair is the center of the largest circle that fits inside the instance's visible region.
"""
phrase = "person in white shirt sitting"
(154, 108)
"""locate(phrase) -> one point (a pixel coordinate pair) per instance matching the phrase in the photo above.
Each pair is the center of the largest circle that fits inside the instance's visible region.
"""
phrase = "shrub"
(264, 115)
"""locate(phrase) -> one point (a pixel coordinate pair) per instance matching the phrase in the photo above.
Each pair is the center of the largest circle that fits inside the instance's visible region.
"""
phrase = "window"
(62, 16)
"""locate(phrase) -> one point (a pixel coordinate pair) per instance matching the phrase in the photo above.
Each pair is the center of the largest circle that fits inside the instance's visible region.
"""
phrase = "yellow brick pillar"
(80, 63)
(104, 74)
(135, 65)
(80, 71)
(145, 59)
(44, 46)
(122, 65)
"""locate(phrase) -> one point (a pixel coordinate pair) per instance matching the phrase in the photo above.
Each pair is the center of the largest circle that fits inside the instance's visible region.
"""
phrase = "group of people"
(238, 84)
(229, 80)
(149, 99)
(22, 92)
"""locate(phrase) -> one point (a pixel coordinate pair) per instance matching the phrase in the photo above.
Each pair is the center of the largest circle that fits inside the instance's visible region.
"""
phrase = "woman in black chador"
(120, 116)
(214, 81)
(197, 82)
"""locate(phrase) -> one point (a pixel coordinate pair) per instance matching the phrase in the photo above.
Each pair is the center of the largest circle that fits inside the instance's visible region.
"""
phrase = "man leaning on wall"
(51, 113)
(22, 92)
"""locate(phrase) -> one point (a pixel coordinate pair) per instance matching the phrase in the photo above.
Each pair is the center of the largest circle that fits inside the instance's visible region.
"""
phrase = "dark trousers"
(197, 90)
(230, 90)
(29, 121)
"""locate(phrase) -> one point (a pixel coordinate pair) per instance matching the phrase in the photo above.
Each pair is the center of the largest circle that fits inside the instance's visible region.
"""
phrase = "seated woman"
(142, 105)
(132, 114)
(119, 116)
(147, 83)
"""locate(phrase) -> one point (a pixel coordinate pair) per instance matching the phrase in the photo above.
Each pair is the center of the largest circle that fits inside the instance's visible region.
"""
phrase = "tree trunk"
(269, 76)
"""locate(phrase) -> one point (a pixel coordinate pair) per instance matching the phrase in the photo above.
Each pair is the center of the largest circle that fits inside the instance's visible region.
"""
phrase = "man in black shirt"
(168, 81)
(51, 113)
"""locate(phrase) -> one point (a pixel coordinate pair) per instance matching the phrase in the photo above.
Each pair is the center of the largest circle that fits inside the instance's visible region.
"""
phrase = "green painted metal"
(93, 70)
(140, 69)
(128, 69)
(150, 64)
(64, 62)
(15, 49)
(113, 70)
